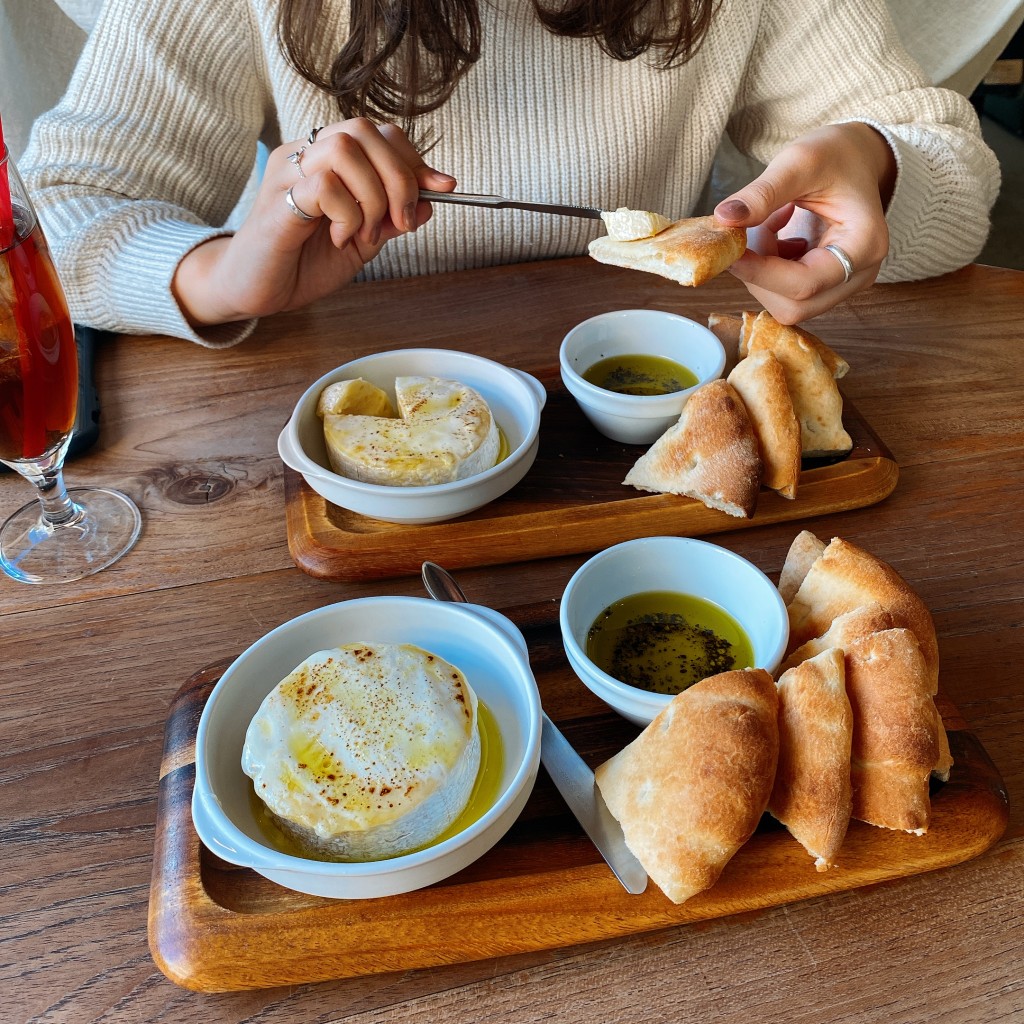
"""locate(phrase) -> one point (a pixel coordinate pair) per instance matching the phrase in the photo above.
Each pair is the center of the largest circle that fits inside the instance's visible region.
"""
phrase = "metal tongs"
(501, 203)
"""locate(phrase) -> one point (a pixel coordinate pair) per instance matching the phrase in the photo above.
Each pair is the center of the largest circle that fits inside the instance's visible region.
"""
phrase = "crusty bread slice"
(812, 791)
(761, 383)
(846, 577)
(812, 386)
(690, 789)
(843, 633)
(710, 453)
(690, 251)
(747, 321)
(846, 594)
(805, 550)
(895, 736)
(845, 629)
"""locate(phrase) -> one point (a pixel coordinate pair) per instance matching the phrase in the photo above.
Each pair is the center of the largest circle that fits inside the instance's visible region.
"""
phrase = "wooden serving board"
(572, 500)
(214, 927)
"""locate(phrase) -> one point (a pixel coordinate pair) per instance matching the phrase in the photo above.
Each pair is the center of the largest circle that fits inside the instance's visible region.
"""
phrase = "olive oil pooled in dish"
(663, 641)
(640, 375)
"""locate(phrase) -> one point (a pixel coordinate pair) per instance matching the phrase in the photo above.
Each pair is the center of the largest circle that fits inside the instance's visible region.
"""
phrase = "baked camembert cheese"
(444, 431)
(366, 751)
(626, 225)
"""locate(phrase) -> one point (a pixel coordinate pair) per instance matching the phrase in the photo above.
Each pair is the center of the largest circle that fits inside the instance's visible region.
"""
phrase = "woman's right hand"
(360, 182)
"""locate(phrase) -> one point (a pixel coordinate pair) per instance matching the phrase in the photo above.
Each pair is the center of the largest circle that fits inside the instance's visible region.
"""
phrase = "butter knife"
(501, 203)
(571, 775)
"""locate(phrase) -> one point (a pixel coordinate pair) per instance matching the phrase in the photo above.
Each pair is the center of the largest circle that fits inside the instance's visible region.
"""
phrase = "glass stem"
(58, 508)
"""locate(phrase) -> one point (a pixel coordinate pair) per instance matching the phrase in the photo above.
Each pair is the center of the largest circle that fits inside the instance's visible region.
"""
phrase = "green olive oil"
(640, 375)
(664, 641)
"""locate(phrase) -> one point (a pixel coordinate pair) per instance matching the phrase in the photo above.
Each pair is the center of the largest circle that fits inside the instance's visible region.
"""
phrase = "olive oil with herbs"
(640, 375)
(664, 641)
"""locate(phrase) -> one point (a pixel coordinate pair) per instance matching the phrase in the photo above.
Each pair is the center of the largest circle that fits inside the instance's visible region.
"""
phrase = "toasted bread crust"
(690, 251)
(825, 612)
(805, 550)
(761, 383)
(711, 454)
(812, 386)
(845, 629)
(812, 795)
(690, 789)
(895, 738)
(846, 577)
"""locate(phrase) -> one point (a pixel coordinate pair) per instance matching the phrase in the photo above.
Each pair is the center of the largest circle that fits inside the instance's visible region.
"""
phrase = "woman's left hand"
(828, 187)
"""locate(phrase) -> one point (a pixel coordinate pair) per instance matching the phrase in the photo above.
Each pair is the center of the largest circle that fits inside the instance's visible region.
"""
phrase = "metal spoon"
(569, 772)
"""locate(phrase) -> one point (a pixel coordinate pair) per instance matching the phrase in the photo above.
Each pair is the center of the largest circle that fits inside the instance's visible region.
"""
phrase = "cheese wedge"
(366, 751)
(354, 396)
(444, 432)
(626, 225)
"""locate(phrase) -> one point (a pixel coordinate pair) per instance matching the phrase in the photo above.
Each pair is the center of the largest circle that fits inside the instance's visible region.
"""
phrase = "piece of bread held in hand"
(690, 789)
(810, 377)
(711, 454)
(761, 382)
(689, 251)
(812, 791)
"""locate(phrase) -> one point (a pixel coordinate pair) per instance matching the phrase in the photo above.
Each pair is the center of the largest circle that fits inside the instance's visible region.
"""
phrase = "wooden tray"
(214, 927)
(572, 500)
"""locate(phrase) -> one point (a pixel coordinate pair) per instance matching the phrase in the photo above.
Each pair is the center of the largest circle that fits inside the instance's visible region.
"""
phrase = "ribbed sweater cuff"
(925, 218)
(140, 281)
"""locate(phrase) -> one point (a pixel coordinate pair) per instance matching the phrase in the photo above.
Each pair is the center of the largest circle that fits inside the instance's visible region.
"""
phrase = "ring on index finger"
(296, 158)
(844, 261)
(311, 138)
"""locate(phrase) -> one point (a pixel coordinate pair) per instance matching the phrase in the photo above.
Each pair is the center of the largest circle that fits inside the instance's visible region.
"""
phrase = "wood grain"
(90, 670)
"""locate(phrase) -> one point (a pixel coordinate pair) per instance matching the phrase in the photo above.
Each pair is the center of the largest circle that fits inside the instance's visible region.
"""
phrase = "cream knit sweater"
(154, 141)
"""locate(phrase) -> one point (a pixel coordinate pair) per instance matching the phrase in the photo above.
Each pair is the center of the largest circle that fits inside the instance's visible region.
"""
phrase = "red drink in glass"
(66, 533)
(38, 358)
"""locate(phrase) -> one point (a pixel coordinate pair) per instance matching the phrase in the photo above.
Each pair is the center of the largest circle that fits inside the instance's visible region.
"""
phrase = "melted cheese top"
(374, 744)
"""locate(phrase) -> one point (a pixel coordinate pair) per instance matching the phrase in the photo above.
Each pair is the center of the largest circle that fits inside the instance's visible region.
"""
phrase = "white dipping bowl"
(482, 643)
(637, 419)
(515, 399)
(678, 564)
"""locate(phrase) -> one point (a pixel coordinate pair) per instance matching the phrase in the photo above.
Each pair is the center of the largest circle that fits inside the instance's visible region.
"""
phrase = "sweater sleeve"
(817, 62)
(149, 147)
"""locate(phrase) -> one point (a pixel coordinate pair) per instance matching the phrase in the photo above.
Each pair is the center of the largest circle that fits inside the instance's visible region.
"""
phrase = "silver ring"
(311, 138)
(296, 158)
(293, 206)
(844, 261)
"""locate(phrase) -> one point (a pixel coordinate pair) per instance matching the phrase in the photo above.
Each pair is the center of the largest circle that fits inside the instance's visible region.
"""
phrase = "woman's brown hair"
(404, 58)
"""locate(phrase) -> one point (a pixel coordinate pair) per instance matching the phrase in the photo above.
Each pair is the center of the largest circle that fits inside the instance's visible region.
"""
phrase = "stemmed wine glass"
(67, 533)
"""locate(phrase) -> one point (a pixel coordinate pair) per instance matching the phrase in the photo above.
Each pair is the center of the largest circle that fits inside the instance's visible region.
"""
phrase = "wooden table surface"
(89, 669)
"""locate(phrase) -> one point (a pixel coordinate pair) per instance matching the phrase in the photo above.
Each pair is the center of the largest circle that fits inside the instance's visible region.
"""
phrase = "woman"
(602, 103)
